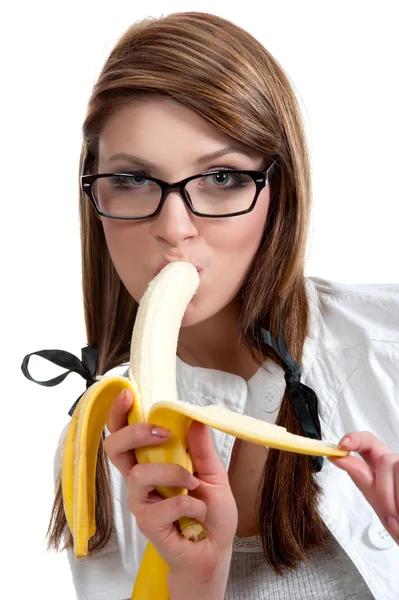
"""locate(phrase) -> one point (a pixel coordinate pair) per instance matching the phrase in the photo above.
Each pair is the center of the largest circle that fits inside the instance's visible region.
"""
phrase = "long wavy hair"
(227, 77)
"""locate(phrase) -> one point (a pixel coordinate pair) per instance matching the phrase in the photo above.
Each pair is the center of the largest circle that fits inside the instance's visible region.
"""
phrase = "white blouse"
(351, 361)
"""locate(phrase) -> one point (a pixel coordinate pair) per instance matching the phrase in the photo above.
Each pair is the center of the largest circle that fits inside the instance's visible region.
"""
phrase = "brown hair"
(226, 76)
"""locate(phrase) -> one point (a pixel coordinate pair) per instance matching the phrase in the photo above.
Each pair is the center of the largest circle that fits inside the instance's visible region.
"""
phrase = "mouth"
(166, 262)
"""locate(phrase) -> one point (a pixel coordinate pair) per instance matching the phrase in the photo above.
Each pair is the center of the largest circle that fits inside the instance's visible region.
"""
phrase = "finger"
(119, 446)
(206, 461)
(361, 474)
(144, 478)
(366, 444)
(156, 522)
(385, 484)
(117, 417)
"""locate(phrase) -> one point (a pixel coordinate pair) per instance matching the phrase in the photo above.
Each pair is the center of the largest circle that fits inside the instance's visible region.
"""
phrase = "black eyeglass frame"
(260, 178)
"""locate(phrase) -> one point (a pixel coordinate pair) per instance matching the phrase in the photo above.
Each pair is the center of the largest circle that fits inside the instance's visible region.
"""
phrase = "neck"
(216, 344)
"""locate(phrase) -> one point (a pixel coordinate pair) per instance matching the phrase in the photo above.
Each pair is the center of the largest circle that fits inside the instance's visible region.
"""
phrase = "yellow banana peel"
(152, 380)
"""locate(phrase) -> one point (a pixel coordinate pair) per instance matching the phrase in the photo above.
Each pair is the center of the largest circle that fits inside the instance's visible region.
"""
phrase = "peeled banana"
(152, 380)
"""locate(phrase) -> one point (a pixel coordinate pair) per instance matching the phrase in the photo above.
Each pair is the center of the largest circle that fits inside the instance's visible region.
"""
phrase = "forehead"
(162, 129)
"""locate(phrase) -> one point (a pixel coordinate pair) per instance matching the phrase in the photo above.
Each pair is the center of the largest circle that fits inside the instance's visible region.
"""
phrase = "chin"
(194, 314)
(199, 314)
(191, 317)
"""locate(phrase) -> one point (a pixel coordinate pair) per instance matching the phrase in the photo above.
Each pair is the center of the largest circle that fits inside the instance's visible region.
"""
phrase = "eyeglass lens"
(219, 193)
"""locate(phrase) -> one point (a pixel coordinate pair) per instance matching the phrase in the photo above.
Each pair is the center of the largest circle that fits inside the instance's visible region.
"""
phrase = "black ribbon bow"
(87, 367)
(303, 398)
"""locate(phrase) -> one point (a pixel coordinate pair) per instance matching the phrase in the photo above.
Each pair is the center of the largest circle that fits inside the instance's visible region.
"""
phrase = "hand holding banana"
(152, 381)
(210, 499)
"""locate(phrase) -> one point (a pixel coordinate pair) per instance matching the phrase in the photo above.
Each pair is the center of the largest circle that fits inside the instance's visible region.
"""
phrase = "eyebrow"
(201, 160)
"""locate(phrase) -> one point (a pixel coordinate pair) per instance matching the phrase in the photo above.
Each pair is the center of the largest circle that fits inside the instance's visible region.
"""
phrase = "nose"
(175, 223)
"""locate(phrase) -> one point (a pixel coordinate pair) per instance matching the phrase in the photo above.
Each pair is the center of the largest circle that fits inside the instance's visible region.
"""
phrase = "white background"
(342, 58)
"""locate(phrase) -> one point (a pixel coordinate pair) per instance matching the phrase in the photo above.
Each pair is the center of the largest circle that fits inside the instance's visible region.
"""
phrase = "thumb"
(207, 463)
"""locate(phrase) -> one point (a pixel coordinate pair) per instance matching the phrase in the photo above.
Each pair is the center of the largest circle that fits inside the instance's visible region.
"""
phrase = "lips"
(166, 262)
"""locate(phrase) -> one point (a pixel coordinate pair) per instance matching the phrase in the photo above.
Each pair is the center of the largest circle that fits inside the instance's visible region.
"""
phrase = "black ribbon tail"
(74, 405)
(304, 402)
(303, 398)
(86, 368)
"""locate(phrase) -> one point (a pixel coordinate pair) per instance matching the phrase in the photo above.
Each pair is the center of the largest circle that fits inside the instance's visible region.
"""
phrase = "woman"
(193, 94)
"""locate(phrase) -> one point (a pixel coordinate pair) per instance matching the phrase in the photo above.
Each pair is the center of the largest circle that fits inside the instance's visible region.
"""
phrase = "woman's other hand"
(377, 476)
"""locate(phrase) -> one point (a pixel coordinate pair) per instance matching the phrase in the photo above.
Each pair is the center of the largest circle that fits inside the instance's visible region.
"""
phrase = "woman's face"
(169, 141)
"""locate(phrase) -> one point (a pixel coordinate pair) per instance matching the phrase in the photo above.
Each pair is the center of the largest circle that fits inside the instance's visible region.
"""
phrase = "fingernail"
(161, 432)
(345, 444)
(194, 482)
(393, 524)
(128, 394)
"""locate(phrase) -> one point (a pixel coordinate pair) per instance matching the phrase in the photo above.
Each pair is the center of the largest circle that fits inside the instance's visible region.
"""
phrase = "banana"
(152, 380)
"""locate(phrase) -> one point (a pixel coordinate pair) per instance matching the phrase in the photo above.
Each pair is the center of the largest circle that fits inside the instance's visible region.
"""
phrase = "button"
(379, 536)
(271, 398)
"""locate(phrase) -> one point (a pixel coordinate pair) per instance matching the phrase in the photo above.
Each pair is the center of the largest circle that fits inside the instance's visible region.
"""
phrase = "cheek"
(249, 234)
(121, 241)
(241, 236)
(233, 244)
(128, 245)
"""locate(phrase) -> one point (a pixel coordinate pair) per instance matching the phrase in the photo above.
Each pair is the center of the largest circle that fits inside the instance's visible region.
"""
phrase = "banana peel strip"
(90, 417)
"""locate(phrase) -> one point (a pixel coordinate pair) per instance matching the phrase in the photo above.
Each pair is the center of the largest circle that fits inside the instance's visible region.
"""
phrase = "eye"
(124, 178)
(124, 181)
(223, 179)
(220, 176)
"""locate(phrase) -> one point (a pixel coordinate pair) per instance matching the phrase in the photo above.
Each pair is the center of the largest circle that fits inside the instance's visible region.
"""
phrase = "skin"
(376, 476)
(173, 138)
(203, 566)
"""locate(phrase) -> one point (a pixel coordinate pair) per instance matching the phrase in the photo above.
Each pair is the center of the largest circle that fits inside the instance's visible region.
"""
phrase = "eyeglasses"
(134, 196)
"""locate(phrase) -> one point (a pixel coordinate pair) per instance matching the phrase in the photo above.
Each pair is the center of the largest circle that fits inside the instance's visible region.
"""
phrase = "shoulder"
(352, 313)
(354, 338)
